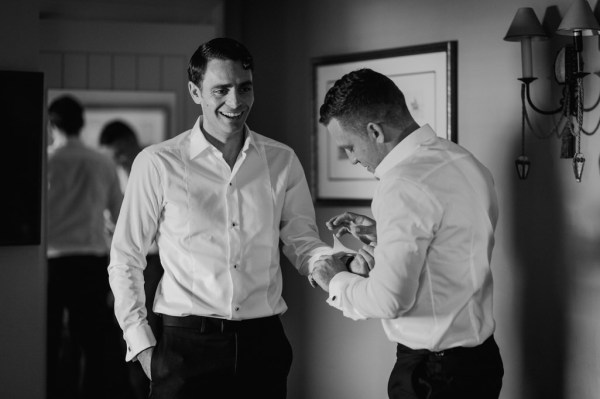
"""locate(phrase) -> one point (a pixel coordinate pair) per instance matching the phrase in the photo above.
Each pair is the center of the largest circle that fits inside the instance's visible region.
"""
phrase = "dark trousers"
(84, 358)
(207, 358)
(461, 373)
(152, 275)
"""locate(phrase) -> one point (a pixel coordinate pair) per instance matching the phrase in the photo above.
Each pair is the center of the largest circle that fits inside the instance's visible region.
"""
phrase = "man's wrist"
(342, 266)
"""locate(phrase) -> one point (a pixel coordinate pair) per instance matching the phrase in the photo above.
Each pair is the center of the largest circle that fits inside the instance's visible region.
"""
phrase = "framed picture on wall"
(426, 74)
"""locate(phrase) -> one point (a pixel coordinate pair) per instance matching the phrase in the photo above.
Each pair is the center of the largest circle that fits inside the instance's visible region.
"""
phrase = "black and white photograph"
(311, 199)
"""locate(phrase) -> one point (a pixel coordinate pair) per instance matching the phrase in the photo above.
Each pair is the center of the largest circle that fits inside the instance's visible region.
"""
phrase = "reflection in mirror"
(150, 114)
(85, 188)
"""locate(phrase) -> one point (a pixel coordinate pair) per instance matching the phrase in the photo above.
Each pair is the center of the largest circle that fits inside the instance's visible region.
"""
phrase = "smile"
(232, 115)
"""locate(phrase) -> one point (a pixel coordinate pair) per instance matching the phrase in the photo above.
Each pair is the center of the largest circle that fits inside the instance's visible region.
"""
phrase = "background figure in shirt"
(218, 199)
(119, 141)
(82, 184)
(435, 211)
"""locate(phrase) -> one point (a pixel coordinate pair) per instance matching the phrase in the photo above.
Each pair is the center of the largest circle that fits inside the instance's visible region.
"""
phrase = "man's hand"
(145, 359)
(364, 261)
(325, 269)
(360, 226)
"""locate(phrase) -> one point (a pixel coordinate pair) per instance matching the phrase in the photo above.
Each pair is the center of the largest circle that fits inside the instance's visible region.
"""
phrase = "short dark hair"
(66, 113)
(222, 48)
(117, 131)
(363, 96)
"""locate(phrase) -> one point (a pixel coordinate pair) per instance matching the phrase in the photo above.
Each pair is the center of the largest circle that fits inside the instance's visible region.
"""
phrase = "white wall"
(546, 261)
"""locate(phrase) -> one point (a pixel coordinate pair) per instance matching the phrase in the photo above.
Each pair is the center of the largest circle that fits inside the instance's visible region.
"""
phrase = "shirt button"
(333, 298)
(237, 308)
(233, 224)
(235, 266)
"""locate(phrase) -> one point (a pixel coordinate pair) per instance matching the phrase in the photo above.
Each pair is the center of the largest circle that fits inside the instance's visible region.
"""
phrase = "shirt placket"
(235, 242)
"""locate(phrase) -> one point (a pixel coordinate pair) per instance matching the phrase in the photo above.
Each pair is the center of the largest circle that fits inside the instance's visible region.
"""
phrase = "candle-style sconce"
(578, 21)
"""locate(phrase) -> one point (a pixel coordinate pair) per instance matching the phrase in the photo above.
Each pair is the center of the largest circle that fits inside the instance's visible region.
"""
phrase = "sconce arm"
(533, 129)
(591, 132)
(593, 106)
(527, 82)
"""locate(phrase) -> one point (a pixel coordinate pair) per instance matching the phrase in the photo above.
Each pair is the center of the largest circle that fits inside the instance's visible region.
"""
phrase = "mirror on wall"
(150, 114)
(85, 346)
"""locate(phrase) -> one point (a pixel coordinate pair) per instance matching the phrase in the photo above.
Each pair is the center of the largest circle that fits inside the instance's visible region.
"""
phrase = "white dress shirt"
(436, 211)
(123, 179)
(218, 231)
(82, 184)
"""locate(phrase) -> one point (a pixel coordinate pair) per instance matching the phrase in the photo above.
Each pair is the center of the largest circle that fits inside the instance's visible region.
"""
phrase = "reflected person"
(435, 212)
(82, 185)
(218, 199)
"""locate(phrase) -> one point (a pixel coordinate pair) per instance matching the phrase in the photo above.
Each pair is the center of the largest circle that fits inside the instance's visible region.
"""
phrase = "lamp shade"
(525, 24)
(579, 17)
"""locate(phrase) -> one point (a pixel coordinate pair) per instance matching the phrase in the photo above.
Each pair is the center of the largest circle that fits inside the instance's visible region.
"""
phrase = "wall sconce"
(578, 21)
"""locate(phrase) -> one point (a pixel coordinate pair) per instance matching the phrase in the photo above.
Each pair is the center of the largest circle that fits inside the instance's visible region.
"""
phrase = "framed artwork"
(426, 74)
(150, 114)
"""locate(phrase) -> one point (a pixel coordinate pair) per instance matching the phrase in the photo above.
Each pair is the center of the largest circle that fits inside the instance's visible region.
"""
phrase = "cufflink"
(349, 260)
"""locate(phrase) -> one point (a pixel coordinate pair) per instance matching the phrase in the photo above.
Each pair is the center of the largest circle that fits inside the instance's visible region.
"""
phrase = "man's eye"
(220, 92)
(246, 89)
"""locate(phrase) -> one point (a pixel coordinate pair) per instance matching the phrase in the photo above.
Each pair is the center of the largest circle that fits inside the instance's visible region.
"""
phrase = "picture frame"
(426, 74)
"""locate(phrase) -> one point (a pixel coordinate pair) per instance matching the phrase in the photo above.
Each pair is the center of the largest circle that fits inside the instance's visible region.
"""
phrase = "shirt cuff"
(337, 298)
(137, 340)
(336, 288)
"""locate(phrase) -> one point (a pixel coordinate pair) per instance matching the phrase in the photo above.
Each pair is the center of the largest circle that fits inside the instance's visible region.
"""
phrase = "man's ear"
(375, 132)
(194, 92)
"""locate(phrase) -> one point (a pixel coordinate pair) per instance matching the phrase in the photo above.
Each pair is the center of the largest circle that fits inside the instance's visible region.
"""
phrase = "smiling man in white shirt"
(218, 199)
(435, 211)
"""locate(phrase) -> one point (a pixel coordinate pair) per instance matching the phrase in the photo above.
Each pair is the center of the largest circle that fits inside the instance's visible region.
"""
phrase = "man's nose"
(233, 99)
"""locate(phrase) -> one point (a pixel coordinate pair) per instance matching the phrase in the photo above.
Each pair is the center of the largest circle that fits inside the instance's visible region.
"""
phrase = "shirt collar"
(199, 143)
(403, 149)
(69, 141)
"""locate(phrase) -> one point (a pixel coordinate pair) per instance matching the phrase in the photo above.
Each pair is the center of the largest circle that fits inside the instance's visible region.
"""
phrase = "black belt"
(489, 342)
(207, 325)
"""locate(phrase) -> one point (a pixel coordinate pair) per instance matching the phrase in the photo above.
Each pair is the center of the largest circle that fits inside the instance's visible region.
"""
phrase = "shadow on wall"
(540, 245)
(541, 268)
